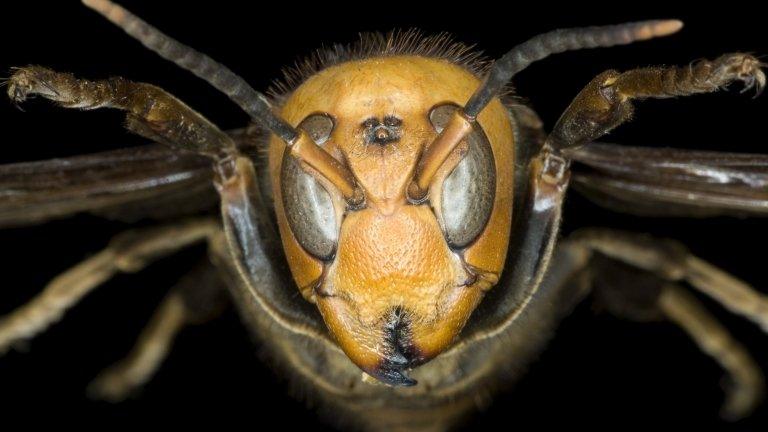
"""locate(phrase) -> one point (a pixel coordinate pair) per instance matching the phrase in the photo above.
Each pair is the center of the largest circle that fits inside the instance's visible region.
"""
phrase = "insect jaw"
(400, 353)
(400, 339)
(391, 345)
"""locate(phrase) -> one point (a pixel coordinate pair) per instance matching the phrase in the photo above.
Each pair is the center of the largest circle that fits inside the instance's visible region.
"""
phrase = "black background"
(599, 372)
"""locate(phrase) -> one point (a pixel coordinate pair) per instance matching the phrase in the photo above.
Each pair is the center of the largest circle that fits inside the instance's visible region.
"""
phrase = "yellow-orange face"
(394, 281)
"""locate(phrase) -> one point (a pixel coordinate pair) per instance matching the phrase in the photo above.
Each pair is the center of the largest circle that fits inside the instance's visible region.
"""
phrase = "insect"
(399, 200)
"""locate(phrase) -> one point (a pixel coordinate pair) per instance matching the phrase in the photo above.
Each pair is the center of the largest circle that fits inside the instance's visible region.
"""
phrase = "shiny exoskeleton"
(417, 208)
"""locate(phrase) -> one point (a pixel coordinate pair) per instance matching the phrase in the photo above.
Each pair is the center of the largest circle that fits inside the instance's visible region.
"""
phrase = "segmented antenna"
(301, 145)
(557, 41)
(216, 74)
(517, 59)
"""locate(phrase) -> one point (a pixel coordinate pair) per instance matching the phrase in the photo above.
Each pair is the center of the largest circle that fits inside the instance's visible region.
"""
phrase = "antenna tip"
(101, 6)
(666, 27)
(94, 4)
(645, 30)
(108, 9)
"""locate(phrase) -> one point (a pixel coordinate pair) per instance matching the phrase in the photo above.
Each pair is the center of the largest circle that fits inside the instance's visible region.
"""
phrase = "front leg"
(151, 111)
(158, 115)
(127, 253)
(644, 279)
(197, 298)
(672, 261)
(606, 102)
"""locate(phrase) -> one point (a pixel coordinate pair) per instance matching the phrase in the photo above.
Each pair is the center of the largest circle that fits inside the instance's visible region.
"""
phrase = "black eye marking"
(382, 133)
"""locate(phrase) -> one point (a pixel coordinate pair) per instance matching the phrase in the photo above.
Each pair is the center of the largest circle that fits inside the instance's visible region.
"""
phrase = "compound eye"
(308, 205)
(469, 190)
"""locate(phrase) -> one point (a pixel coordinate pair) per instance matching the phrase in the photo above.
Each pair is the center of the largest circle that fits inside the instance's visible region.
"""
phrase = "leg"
(627, 291)
(746, 381)
(671, 261)
(643, 180)
(633, 278)
(151, 112)
(606, 102)
(129, 252)
(197, 298)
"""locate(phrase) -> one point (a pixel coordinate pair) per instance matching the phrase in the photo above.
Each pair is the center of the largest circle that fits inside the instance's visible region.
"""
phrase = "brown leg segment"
(197, 298)
(672, 261)
(746, 382)
(129, 252)
(634, 277)
(115, 383)
(606, 102)
(152, 112)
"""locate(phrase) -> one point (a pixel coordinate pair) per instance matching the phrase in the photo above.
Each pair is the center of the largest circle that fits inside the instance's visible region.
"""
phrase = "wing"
(127, 184)
(672, 182)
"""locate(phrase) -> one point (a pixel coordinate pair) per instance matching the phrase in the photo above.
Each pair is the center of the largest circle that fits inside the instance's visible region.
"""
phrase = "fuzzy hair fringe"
(394, 43)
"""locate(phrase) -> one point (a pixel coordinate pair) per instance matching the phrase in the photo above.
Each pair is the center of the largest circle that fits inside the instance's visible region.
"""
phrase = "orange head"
(394, 280)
